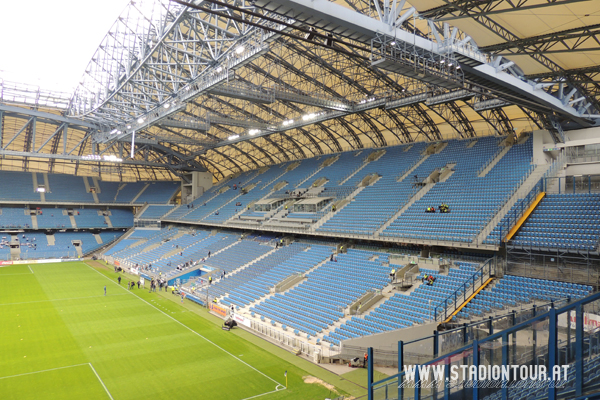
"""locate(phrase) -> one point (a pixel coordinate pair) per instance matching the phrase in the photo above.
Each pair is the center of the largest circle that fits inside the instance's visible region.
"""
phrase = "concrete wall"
(583, 169)
(201, 182)
(540, 139)
(586, 136)
(389, 340)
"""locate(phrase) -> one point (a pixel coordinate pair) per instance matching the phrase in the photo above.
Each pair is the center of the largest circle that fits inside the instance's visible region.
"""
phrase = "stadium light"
(240, 50)
(41, 189)
(141, 120)
(233, 137)
(253, 132)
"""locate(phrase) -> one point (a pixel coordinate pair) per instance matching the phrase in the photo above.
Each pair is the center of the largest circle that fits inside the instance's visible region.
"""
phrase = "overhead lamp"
(219, 69)
(128, 126)
(450, 64)
(141, 120)
(233, 137)
(393, 43)
(253, 132)
(442, 61)
(113, 131)
(112, 158)
(240, 49)
(458, 67)
(167, 105)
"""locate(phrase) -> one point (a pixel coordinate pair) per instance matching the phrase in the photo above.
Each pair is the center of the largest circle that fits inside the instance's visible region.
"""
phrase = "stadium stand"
(11, 217)
(512, 291)
(67, 188)
(564, 221)
(296, 258)
(19, 186)
(401, 310)
(153, 212)
(16, 186)
(320, 300)
(473, 200)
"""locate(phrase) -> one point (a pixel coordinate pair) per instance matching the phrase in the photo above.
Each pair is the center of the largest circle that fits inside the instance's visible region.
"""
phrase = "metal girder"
(153, 55)
(548, 43)
(77, 158)
(48, 118)
(257, 69)
(56, 132)
(498, 120)
(29, 121)
(244, 112)
(511, 37)
(456, 118)
(567, 72)
(468, 8)
(364, 72)
(552, 125)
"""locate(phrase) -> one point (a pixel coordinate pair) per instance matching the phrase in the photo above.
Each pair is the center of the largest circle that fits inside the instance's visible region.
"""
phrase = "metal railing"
(574, 324)
(446, 307)
(511, 218)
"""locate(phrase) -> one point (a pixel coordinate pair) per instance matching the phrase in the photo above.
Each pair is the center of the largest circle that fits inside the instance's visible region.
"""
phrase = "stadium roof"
(228, 86)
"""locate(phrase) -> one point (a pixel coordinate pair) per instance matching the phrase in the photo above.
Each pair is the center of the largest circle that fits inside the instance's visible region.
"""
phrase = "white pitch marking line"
(187, 327)
(13, 274)
(44, 370)
(30, 268)
(101, 382)
(263, 394)
(72, 298)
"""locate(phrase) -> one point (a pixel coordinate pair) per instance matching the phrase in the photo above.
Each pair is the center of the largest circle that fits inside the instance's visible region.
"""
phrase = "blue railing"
(576, 323)
(447, 306)
(425, 349)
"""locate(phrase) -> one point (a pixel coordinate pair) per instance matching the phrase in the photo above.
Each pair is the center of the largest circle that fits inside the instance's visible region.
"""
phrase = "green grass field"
(61, 338)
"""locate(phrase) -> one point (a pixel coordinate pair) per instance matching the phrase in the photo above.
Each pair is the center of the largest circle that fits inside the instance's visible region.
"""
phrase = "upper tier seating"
(360, 216)
(159, 192)
(564, 221)
(154, 212)
(472, 200)
(67, 188)
(16, 186)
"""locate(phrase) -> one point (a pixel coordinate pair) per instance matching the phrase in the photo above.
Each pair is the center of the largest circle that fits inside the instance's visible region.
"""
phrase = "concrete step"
(140, 193)
(422, 192)
(495, 161)
(520, 193)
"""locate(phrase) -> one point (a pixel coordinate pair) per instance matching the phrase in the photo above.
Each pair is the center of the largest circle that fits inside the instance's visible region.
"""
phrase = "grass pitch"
(62, 338)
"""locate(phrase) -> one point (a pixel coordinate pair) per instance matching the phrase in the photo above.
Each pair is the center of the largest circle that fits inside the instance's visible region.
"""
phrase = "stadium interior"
(406, 182)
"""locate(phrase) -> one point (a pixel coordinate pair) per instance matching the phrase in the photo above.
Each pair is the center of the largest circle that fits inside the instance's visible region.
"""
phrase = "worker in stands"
(392, 274)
